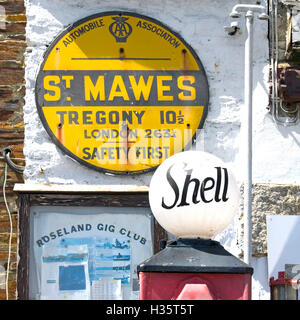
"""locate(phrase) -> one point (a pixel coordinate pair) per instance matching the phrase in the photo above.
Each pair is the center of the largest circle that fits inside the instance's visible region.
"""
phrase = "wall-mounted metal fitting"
(6, 155)
(233, 29)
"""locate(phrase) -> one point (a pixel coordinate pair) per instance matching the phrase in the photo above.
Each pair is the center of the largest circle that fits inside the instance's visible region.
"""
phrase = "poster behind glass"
(88, 253)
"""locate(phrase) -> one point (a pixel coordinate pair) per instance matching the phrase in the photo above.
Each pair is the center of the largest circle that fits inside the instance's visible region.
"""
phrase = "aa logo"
(120, 29)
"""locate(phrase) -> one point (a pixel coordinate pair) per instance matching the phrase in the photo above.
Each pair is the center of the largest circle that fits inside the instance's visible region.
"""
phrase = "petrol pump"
(194, 196)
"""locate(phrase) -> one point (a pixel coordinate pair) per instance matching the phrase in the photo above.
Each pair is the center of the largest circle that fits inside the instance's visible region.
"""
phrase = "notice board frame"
(81, 196)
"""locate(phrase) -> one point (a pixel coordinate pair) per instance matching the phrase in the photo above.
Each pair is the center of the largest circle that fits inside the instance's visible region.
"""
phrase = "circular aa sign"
(120, 92)
(194, 194)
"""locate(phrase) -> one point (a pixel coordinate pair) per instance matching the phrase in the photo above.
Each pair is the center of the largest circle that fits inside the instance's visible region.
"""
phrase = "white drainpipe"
(249, 11)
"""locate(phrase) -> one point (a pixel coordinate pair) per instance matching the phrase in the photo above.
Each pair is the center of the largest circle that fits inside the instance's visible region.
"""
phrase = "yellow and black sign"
(120, 92)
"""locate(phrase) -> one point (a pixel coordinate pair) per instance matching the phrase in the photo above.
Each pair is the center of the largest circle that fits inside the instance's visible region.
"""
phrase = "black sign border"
(74, 25)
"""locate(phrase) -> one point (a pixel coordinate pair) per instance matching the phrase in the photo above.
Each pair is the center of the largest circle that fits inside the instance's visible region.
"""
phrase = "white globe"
(193, 194)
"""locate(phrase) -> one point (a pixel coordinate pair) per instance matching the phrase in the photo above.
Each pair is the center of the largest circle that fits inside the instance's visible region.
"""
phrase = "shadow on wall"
(260, 282)
(291, 131)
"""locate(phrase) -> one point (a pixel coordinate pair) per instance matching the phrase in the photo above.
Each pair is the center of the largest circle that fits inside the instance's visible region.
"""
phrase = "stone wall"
(279, 199)
(12, 91)
(271, 199)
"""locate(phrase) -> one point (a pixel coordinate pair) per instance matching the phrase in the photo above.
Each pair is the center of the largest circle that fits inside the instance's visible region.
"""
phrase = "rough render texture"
(271, 199)
(12, 91)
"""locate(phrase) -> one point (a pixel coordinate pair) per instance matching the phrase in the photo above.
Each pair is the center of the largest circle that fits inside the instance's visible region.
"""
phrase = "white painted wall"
(200, 23)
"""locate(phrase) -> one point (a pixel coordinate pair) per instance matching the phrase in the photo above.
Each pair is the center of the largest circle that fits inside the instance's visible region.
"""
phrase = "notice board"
(87, 253)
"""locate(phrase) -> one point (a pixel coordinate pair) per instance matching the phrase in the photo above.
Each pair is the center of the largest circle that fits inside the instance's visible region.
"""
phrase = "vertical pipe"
(272, 27)
(248, 132)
